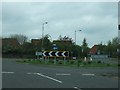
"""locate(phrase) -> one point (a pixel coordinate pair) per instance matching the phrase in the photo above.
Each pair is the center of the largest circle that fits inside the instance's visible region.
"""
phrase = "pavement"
(21, 75)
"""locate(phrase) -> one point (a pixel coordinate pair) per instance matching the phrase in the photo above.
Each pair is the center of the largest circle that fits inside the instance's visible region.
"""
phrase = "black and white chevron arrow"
(55, 53)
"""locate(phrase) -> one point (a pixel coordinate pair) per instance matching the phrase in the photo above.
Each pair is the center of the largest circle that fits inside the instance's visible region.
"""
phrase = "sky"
(98, 21)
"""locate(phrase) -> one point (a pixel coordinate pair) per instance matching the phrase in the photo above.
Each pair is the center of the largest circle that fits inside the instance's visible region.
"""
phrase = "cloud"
(97, 20)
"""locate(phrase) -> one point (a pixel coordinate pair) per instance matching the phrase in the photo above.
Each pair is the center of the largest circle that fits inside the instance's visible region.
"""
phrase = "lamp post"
(43, 34)
(75, 35)
(75, 44)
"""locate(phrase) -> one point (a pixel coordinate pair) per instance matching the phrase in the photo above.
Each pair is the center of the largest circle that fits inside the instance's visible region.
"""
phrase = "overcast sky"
(97, 20)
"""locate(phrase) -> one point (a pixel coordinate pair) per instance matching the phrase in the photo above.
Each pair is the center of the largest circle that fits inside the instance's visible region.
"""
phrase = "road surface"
(21, 75)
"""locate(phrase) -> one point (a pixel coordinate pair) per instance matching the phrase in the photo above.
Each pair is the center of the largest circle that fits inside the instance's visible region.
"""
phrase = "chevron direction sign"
(55, 53)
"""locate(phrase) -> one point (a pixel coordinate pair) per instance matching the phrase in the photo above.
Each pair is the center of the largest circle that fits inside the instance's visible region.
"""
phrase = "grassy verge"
(70, 63)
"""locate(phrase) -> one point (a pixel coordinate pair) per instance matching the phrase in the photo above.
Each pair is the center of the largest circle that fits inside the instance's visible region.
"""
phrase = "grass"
(70, 63)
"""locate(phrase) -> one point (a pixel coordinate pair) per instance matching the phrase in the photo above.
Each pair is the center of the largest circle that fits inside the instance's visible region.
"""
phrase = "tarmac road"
(18, 75)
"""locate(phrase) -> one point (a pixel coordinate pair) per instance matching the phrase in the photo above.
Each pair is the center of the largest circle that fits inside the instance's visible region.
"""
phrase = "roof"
(94, 50)
(10, 41)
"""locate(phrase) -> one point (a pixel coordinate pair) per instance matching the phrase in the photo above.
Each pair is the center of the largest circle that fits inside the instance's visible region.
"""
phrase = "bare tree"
(21, 38)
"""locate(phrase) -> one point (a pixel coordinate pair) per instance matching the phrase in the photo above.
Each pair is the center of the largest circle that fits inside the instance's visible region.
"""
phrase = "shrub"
(51, 61)
(60, 62)
(89, 62)
(108, 64)
(39, 61)
(29, 60)
(84, 63)
(72, 62)
(79, 61)
(24, 60)
(98, 61)
(119, 65)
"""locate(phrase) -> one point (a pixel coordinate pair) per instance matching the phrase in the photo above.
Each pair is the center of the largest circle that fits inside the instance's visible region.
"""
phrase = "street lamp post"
(43, 34)
(75, 44)
(75, 35)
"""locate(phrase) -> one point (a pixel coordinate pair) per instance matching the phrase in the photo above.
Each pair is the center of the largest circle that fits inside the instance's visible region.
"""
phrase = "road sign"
(55, 47)
(55, 53)
(38, 53)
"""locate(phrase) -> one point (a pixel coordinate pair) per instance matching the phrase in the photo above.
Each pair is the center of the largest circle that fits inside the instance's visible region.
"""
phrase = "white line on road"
(49, 77)
(31, 73)
(64, 74)
(8, 72)
(77, 88)
(40, 74)
(88, 74)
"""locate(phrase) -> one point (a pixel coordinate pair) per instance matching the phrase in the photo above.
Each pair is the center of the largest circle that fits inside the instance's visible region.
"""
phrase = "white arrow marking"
(57, 53)
(50, 53)
(63, 54)
(44, 53)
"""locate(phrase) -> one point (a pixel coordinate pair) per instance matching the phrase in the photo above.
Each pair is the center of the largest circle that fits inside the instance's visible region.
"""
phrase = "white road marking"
(49, 77)
(40, 74)
(8, 72)
(88, 74)
(30, 73)
(63, 74)
(77, 88)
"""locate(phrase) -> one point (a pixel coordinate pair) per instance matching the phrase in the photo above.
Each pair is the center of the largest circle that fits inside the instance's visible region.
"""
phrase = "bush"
(108, 64)
(89, 62)
(119, 65)
(72, 62)
(29, 60)
(79, 61)
(24, 60)
(51, 61)
(39, 61)
(60, 62)
(84, 63)
(98, 61)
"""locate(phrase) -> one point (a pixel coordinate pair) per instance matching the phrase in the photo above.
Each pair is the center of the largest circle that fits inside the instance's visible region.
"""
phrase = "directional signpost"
(55, 54)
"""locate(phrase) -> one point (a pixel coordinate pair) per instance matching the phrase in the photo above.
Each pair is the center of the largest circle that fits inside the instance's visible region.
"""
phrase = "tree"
(21, 38)
(60, 37)
(112, 47)
(84, 44)
(115, 44)
(85, 48)
(47, 43)
(108, 48)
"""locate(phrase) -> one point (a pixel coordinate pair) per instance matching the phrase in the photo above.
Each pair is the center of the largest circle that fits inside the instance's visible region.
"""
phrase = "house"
(36, 42)
(10, 42)
(94, 50)
(95, 53)
(67, 42)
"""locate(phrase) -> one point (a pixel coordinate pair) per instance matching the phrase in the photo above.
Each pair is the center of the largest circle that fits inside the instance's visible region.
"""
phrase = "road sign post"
(45, 60)
(48, 59)
(54, 60)
(64, 60)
